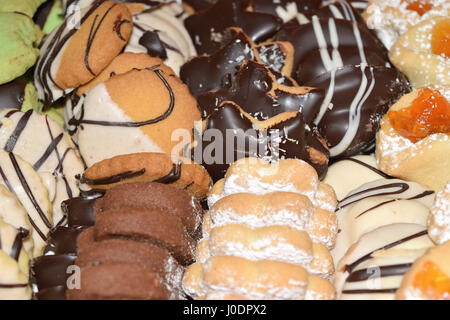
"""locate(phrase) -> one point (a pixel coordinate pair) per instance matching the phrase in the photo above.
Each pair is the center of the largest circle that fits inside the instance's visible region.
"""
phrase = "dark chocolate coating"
(383, 88)
(41, 15)
(250, 91)
(12, 94)
(312, 65)
(304, 40)
(52, 293)
(339, 10)
(199, 5)
(51, 271)
(80, 210)
(270, 6)
(229, 13)
(63, 240)
(294, 141)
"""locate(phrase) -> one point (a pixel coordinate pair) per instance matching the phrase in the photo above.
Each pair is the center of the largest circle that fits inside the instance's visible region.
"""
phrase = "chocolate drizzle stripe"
(420, 195)
(369, 291)
(12, 140)
(350, 267)
(112, 179)
(173, 176)
(28, 191)
(135, 124)
(12, 286)
(381, 173)
(382, 271)
(17, 246)
(401, 186)
(5, 179)
(92, 34)
(54, 143)
(117, 27)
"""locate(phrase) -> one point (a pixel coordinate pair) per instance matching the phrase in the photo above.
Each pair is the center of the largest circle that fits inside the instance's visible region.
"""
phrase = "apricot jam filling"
(429, 113)
(440, 38)
(432, 282)
(419, 6)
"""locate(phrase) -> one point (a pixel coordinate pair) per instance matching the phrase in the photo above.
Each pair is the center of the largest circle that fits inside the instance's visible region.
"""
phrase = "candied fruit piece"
(440, 39)
(432, 282)
(419, 6)
(429, 113)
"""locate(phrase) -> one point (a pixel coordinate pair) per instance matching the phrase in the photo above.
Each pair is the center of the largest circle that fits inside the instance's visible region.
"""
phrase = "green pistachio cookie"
(27, 7)
(49, 15)
(19, 38)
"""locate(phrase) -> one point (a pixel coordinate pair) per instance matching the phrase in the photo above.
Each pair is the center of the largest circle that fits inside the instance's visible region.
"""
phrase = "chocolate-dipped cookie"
(283, 136)
(357, 97)
(206, 27)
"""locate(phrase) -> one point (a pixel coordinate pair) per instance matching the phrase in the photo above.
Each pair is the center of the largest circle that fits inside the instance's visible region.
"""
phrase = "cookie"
(206, 27)
(429, 276)
(13, 283)
(283, 136)
(22, 180)
(156, 167)
(160, 32)
(14, 214)
(413, 140)
(212, 72)
(264, 279)
(49, 15)
(119, 281)
(139, 111)
(391, 19)
(379, 203)
(425, 42)
(12, 244)
(155, 196)
(349, 116)
(20, 37)
(121, 64)
(51, 153)
(26, 7)
(373, 267)
(439, 221)
(347, 173)
(70, 57)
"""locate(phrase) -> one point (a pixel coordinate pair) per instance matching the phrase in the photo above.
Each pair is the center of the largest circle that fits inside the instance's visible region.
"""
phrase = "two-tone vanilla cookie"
(413, 142)
(75, 52)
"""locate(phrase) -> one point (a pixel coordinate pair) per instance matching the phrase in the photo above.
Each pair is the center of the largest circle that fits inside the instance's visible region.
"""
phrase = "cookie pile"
(266, 235)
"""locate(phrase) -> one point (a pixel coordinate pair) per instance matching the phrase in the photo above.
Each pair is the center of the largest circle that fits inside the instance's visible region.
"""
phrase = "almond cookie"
(439, 219)
(74, 53)
(429, 276)
(413, 142)
(422, 53)
(11, 240)
(156, 167)
(390, 19)
(373, 267)
(51, 153)
(13, 283)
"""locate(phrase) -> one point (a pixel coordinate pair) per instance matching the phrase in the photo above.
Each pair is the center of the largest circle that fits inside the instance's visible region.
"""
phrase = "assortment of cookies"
(225, 149)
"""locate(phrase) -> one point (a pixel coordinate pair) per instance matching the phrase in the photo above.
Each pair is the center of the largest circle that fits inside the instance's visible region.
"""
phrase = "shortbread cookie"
(160, 32)
(439, 219)
(13, 283)
(422, 53)
(379, 203)
(51, 153)
(278, 242)
(413, 142)
(374, 266)
(390, 19)
(121, 64)
(264, 279)
(21, 179)
(156, 167)
(347, 173)
(13, 213)
(138, 111)
(429, 276)
(72, 56)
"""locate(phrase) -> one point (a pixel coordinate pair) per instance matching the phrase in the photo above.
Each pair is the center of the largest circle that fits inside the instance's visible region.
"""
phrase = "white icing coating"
(62, 164)
(97, 142)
